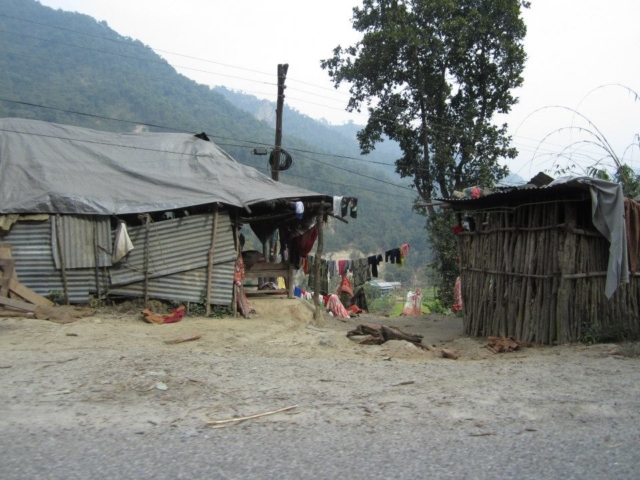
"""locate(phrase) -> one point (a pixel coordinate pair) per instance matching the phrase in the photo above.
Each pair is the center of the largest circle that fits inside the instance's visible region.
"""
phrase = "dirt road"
(112, 372)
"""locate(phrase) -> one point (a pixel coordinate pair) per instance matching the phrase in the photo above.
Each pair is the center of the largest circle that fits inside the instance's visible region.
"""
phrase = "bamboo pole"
(147, 224)
(97, 261)
(65, 285)
(317, 316)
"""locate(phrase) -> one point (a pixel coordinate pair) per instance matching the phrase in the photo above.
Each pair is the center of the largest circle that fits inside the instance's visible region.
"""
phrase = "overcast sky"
(573, 47)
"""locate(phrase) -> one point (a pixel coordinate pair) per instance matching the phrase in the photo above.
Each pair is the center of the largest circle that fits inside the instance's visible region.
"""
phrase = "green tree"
(433, 74)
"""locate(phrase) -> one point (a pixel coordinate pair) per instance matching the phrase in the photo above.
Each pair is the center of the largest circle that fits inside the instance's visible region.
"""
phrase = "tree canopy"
(433, 74)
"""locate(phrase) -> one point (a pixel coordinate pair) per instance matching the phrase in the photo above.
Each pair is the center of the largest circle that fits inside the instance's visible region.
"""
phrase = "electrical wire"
(442, 129)
(129, 43)
(245, 144)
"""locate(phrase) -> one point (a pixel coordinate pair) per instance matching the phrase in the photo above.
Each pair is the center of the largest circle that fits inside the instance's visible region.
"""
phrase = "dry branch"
(184, 339)
(249, 417)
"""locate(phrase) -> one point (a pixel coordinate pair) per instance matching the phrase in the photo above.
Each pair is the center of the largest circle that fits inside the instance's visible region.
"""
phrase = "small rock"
(162, 386)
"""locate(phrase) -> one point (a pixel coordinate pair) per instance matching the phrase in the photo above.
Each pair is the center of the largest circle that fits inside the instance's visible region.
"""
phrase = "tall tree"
(433, 74)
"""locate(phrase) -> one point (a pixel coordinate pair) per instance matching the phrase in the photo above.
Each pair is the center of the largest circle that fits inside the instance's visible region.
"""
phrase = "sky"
(582, 56)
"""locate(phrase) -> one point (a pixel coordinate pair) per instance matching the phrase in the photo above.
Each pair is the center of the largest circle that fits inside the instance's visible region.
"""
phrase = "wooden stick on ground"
(184, 339)
(240, 419)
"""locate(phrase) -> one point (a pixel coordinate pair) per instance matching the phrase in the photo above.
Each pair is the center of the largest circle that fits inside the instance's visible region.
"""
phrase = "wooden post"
(282, 75)
(147, 224)
(97, 260)
(234, 296)
(65, 285)
(317, 316)
(212, 251)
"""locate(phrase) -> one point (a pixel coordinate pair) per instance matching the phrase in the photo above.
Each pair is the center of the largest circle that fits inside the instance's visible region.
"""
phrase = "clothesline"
(363, 269)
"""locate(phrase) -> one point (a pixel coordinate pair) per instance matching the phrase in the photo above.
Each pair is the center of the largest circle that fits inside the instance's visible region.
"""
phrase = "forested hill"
(83, 66)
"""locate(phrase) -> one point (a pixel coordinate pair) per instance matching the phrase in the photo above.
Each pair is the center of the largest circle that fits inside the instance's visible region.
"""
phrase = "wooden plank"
(16, 313)
(9, 302)
(29, 295)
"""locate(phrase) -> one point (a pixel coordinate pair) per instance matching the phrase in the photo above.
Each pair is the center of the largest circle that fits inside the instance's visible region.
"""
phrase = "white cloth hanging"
(122, 244)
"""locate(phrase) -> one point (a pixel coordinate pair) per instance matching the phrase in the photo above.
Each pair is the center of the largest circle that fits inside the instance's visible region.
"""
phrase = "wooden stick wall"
(537, 273)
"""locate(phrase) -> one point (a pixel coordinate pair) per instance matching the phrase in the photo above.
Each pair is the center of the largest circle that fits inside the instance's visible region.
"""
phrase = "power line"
(443, 129)
(122, 55)
(249, 142)
(129, 43)
(356, 173)
(377, 192)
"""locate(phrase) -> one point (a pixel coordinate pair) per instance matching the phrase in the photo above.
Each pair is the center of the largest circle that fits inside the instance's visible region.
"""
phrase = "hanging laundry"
(374, 261)
(361, 272)
(342, 267)
(299, 210)
(354, 207)
(122, 244)
(332, 267)
(344, 208)
(404, 249)
(337, 206)
(392, 255)
(323, 275)
(457, 296)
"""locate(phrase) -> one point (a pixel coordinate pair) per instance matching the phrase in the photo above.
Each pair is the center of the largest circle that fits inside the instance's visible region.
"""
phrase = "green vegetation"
(433, 75)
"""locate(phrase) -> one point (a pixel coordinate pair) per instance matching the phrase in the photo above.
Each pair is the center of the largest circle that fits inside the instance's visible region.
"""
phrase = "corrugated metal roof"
(187, 286)
(31, 248)
(515, 195)
(177, 245)
(77, 241)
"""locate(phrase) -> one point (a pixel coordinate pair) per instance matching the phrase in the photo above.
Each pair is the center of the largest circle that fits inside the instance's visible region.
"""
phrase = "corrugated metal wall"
(76, 234)
(175, 246)
(31, 247)
(187, 286)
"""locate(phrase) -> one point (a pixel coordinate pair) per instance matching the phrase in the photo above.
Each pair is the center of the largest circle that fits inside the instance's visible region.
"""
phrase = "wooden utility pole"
(282, 76)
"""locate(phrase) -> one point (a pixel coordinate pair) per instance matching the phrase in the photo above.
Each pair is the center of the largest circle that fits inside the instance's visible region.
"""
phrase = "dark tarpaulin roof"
(53, 168)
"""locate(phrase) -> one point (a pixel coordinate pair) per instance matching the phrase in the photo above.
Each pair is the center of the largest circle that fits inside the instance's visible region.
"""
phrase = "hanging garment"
(354, 208)
(361, 272)
(299, 210)
(374, 261)
(404, 249)
(342, 267)
(337, 206)
(122, 244)
(333, 269)
(457, 296)
(344, 208)
(323, 275)
(392, 255)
